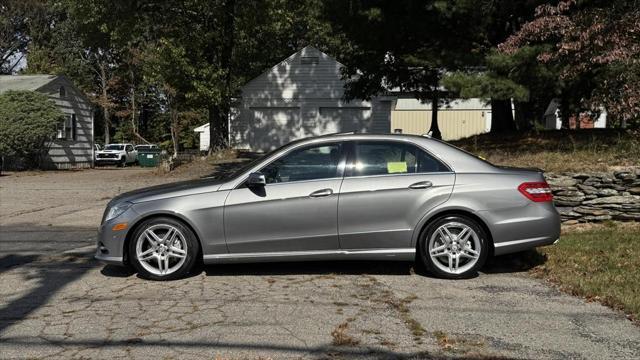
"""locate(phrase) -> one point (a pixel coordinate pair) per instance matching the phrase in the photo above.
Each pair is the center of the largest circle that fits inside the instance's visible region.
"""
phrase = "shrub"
(27, 125)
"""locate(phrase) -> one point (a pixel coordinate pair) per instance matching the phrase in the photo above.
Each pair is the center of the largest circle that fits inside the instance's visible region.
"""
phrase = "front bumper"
(110, 244)
(108, 160)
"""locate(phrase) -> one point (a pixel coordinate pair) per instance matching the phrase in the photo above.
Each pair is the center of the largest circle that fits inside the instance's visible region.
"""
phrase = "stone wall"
(592, 197)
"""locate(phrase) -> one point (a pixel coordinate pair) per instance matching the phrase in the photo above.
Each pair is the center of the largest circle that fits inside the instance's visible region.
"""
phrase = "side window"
(382, 158)
(129, 148)
(68, 127)
(310, 163)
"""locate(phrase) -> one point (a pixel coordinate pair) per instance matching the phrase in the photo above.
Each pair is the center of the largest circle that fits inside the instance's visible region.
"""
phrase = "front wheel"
(454, 247)
(163, 249)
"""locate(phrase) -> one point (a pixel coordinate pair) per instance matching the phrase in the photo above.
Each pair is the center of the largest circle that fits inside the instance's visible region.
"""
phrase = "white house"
(553, 120)
(203, 133)
(72, 146)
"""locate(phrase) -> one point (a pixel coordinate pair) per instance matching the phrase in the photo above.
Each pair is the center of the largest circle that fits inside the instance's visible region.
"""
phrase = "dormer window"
(309, 60)
(63, 92)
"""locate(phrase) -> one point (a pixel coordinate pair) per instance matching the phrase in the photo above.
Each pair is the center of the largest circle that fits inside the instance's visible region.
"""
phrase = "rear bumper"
(508, 247)
(522, 228)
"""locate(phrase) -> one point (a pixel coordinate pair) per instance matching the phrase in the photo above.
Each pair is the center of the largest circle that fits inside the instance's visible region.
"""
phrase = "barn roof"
(24, 82)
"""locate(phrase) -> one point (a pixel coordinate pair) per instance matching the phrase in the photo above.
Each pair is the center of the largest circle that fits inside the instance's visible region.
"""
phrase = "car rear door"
(295, 211)
(388, 187)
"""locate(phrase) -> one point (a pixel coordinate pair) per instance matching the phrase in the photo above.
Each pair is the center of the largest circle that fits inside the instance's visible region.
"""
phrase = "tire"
(163, 256)
(445, 256)
(123, 162)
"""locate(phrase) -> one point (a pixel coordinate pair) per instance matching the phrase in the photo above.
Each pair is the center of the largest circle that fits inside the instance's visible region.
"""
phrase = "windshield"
(114, 147)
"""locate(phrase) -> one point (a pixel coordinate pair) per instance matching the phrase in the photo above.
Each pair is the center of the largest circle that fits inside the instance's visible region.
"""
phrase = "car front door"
(388, 187)
(296, 210)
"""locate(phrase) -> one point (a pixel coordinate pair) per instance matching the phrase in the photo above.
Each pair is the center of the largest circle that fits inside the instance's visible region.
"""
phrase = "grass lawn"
(601, 263)
(559, 151)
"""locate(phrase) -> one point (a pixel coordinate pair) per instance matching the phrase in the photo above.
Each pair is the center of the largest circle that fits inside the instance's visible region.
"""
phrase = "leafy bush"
(27, 124)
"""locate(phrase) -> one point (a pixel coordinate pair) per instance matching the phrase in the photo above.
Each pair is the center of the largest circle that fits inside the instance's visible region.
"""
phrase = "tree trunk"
(435, 129)
(174, 132)
(134, 124)
(105, 103)
(501, 116)
(564, 113)
(217, 128)
(219, 113)
(524, 116)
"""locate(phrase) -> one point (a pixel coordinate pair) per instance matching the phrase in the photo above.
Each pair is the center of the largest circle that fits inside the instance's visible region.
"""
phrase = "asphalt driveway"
(66, 305)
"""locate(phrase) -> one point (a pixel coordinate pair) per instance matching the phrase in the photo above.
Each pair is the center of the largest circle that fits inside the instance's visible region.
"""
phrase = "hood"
(189, 187)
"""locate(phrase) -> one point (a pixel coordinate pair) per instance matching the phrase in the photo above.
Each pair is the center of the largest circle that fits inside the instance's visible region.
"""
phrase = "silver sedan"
(343, 196)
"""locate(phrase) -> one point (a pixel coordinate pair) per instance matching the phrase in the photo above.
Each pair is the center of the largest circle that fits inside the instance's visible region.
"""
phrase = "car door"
(388, 187)
(297, 208)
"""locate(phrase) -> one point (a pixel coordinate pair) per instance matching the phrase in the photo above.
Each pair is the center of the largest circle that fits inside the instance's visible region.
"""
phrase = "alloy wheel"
(161, 249)
(454, 247)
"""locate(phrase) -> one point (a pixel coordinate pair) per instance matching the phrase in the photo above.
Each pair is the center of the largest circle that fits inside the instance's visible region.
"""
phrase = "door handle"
(321, 193)
(421, 185)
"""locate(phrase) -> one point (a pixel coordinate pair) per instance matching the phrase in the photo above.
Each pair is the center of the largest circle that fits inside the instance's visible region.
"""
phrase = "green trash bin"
(149, 157)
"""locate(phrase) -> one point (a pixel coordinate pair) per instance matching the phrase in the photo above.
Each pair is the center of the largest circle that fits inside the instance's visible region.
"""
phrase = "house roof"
(201, 128)
(303, 51)
(24, 82)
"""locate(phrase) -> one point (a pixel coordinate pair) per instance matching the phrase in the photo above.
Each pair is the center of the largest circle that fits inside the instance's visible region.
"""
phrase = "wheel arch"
(171, 215)
(430, 218)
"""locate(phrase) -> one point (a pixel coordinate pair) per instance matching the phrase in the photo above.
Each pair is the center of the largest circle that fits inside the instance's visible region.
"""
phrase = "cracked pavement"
(66, 305)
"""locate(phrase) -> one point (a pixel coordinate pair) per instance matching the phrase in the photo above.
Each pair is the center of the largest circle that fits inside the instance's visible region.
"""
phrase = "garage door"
(343, 119)
(275, 126)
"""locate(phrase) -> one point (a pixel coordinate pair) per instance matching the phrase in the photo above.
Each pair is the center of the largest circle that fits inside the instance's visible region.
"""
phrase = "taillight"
(536, 191)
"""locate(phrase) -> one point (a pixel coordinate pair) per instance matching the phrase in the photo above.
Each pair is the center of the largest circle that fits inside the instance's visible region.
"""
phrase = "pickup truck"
(120, 154)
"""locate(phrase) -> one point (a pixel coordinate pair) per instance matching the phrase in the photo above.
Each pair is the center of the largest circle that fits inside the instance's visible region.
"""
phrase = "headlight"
(117, 210)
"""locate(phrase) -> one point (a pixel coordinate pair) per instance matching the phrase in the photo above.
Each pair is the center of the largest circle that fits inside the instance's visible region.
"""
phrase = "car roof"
(352, 135)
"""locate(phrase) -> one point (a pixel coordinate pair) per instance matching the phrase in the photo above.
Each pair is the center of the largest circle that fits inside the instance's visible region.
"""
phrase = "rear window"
(465, 151)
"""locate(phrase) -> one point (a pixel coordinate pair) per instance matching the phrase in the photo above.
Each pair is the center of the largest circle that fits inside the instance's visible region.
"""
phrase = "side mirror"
(256, 179)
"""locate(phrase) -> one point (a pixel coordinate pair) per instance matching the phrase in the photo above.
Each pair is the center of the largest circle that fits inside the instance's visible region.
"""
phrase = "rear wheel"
(454, 247)
(163, 249)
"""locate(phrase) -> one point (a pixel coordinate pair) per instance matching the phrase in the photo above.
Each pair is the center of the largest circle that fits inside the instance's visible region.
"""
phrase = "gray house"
(299, 97)
(72, 146)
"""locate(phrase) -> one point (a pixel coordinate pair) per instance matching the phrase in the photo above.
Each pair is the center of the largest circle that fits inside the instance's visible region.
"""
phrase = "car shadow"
(514, 263)
(341, 267)
(511, 263)
(117, 271)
